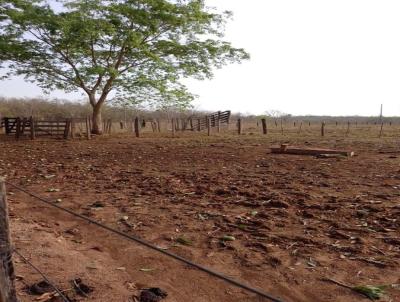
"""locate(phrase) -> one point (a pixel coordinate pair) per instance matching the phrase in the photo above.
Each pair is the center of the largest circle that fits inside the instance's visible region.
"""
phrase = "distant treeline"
(331, 119)
(60, 109)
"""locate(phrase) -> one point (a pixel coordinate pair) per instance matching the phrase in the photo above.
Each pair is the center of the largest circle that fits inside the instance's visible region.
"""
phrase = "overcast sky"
(333, 57)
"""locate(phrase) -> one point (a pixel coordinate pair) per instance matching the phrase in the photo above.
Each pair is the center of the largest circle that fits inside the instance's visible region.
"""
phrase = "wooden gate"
(215, 118)
(23, 126)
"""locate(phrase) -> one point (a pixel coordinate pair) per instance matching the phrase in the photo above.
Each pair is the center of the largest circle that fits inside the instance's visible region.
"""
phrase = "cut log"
(285, 149)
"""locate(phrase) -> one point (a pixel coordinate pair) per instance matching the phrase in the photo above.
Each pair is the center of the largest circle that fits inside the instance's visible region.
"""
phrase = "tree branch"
(42, 37)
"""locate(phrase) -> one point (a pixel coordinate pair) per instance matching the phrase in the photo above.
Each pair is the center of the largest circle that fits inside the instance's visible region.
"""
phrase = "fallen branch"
(286, 149)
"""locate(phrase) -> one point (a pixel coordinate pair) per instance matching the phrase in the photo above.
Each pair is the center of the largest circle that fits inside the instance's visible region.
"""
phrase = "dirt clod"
(153, 294)
(40, 288)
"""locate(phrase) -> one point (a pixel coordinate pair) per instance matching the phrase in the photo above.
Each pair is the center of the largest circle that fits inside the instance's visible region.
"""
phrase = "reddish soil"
(295, 219)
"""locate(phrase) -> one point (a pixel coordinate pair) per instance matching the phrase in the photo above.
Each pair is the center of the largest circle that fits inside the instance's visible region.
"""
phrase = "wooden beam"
(285, 149)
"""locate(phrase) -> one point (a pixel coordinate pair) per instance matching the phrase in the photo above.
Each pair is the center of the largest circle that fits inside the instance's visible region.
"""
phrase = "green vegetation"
(135, 51)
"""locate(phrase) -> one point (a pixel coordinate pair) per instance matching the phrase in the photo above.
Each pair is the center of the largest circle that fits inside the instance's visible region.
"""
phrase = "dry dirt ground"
(295, 219)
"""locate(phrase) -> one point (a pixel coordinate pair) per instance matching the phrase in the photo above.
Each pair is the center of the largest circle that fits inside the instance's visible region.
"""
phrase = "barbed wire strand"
(43, 275)
(153, 247)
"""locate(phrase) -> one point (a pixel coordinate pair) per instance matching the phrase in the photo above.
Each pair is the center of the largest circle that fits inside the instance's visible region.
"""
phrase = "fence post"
(109, 126)
(173, 126)
(72, 128)
(7, 125)
(219, 122)
(323, 129)
(67, 128)
(264, 125)
(88, 128)
(158, 125)
(32, 122)
(18, 128)
(191, 124)
(301, 125)
(348, 128)
(239, 124)
(198, 125)
(137, 127)
(7, 275)
(380, 133)
(208, 126)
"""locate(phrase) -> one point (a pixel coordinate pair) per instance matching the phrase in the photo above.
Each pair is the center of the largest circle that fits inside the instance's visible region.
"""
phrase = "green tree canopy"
(139, 49)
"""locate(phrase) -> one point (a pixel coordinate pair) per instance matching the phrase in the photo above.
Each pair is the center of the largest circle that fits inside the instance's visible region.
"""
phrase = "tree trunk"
(97, 125)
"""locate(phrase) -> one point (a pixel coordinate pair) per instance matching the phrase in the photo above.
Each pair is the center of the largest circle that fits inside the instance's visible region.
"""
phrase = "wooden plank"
(39, 132)
(59, 126)
(285, 149)
(52, 120)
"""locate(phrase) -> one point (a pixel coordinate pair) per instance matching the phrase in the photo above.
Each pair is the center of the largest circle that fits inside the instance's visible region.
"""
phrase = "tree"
(138, 50)
(275, 113)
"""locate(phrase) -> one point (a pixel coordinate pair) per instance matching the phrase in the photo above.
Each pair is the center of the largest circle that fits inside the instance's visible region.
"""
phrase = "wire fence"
(36, 269)
(212, 124)
(148, 245)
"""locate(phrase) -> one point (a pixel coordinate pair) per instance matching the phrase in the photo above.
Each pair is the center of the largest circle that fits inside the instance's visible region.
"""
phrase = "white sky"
(333, 57)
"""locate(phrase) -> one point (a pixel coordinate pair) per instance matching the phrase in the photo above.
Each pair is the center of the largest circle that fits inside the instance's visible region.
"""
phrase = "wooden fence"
(23, 126)
(195, 123)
